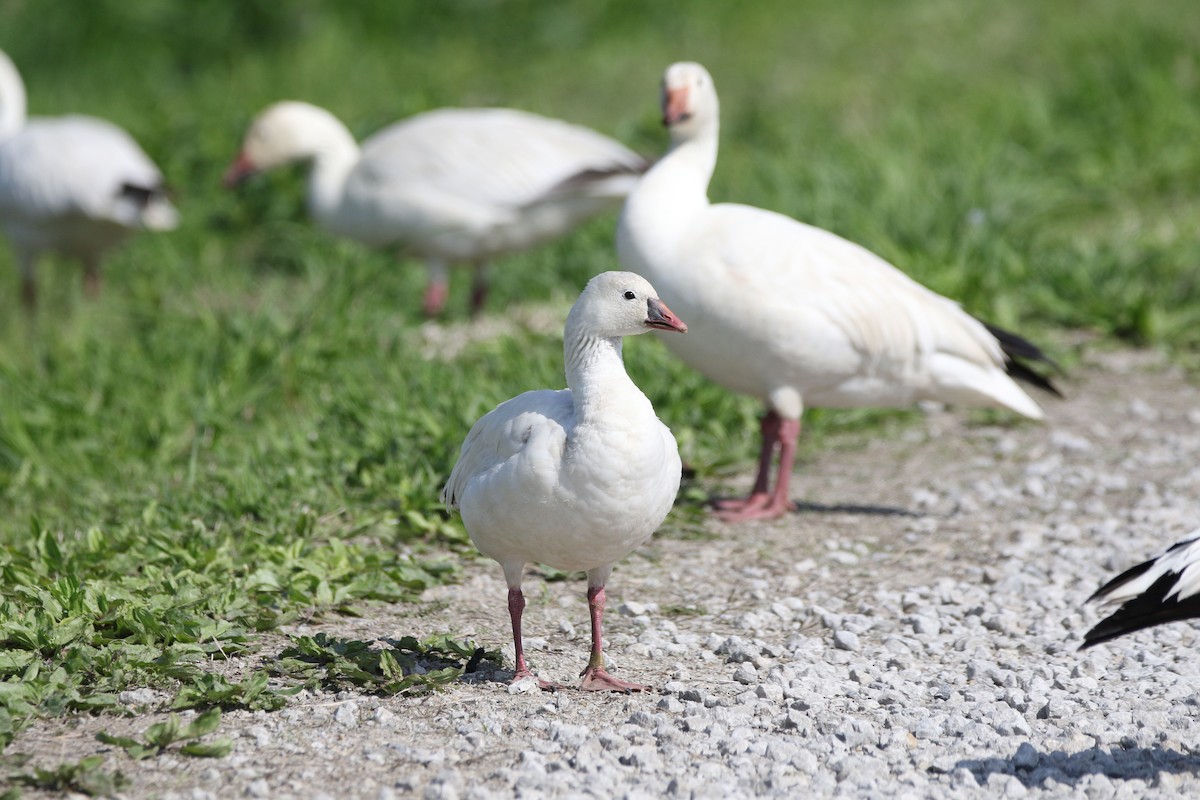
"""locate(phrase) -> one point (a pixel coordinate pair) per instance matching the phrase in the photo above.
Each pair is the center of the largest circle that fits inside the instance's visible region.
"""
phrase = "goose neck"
(595, 373)
(679, 181)
(696, 155)
(12, 99)
(334, 156)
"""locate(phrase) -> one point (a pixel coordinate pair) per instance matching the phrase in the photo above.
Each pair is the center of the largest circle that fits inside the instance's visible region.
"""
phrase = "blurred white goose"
(456, 185)
(74, 185)
(575, 478)
(1163, 589)
(794, 314)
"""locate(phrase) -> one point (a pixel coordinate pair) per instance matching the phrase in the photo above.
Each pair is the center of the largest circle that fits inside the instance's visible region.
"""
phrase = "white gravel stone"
(526, 685)
(746, 674)
(140, 697)
(846, 640)
(347, 715)
(383, 717)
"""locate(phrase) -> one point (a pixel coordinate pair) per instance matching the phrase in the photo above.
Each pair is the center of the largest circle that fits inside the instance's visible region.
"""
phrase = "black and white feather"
(1164, 589)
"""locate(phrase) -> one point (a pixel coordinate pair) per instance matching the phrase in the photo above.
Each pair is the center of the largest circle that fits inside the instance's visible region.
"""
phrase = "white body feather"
(533, 485)
(794, 314)
(575, 478)
(452, 185)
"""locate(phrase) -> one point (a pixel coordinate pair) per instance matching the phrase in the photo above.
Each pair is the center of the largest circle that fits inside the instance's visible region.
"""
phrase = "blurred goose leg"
(479, 288)
(93, 278)
(769, 506)
(28, 284)
(437, 290)
(759, 496)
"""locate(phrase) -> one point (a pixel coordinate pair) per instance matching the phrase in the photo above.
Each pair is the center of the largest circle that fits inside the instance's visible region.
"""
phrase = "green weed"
(242, 432)
(215, 691)
(161, 735)
(84, 776)
(332, 663)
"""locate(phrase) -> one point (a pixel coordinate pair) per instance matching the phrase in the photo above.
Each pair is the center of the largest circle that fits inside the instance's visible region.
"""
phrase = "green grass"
(84, 776)
(242, 430)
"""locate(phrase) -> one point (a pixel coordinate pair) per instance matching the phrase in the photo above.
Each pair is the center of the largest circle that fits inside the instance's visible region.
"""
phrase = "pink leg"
(516, 607)
(759, 495)
(435, 297)
(595, 676)
(776, 504)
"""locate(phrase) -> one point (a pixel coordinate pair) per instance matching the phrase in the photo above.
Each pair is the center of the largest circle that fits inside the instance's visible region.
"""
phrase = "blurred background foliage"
(1036, 160)
(246, 427)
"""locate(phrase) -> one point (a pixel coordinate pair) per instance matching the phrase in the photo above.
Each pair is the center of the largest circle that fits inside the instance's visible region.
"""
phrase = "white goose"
(794, 314)
(575, 478)
(1163, 589)
(74, 185)
(456, 185)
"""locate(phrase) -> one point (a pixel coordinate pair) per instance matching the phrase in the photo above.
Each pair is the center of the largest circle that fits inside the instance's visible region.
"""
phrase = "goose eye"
(629, 295)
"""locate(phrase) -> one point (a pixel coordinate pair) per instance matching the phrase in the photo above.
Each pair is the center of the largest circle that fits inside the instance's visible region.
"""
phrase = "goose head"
(283, 133)
(618, 304)
(689, 100)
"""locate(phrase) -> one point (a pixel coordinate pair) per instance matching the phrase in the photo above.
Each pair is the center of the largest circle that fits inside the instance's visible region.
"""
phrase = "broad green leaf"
(218, 748)
(119, 741)
(203, 724)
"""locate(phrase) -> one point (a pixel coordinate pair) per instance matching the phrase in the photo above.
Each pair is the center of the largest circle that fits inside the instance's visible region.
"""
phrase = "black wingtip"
(1122, 579)
(142, 195)
(1151, 607)
(1018, 350)
(1023, 372)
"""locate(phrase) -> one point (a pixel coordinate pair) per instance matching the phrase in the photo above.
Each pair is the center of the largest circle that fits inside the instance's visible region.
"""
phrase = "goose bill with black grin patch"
(661, 317)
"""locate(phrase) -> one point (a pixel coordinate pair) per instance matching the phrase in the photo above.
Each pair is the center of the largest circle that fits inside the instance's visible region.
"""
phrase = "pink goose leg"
(769, 427)
(516, 607)
(762, 504)
(435, 298)
(595, 676)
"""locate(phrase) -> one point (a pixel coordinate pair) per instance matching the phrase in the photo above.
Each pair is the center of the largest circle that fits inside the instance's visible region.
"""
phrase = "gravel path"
(912, 633)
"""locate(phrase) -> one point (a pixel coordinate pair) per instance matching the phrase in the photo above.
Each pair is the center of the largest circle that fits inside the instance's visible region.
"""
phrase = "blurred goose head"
(286, 132)
(689, 101)
(12, 97)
